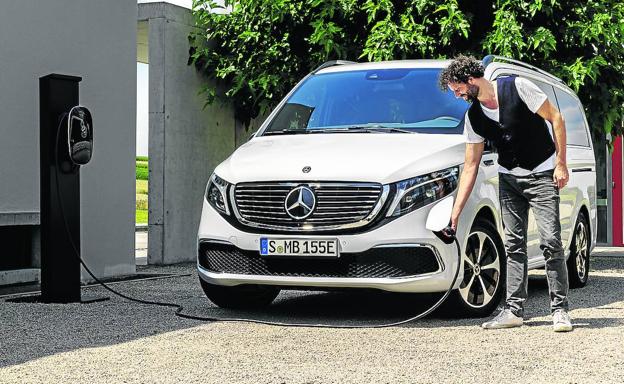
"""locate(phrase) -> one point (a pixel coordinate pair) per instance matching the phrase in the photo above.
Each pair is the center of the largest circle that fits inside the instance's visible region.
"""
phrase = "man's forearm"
(559, 134)
(466, 183)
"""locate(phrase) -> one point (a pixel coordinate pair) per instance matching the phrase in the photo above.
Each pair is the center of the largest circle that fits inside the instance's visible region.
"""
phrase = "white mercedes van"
(334, 189)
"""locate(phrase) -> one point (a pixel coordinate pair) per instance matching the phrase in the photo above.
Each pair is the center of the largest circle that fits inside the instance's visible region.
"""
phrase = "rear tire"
(484, 274)
(578, 262)
(240, 296)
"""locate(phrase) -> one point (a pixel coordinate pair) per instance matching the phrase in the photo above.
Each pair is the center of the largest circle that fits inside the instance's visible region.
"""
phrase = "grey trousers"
(539, 192)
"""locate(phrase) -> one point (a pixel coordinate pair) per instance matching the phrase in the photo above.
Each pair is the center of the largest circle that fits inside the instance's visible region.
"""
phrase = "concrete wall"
(187, 141)
(96, 40)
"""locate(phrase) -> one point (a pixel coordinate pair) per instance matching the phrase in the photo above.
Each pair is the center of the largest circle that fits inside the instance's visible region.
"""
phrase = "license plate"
(299, 247)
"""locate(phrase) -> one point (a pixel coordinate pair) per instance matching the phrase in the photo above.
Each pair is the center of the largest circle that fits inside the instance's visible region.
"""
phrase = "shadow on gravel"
(30, 331)
(584, 322)
(375, 307)
(606, 263)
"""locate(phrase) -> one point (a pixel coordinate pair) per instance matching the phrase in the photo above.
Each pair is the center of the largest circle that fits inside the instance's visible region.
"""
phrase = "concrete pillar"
(186, 140)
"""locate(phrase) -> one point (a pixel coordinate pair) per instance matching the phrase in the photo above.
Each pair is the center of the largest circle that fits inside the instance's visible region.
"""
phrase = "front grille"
(337, 205)
(384, 262)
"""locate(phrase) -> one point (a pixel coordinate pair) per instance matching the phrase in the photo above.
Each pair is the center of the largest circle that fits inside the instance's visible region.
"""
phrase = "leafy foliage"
(261, 48)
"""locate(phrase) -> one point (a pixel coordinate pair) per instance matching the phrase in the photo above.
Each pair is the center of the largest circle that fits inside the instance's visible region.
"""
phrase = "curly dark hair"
(461, 68)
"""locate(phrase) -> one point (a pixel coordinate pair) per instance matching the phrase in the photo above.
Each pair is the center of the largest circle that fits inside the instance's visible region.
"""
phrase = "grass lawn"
(142, 171)
(141, 216)
(141, 189)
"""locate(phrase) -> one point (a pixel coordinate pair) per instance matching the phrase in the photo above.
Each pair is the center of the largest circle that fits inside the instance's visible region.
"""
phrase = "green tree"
(261, 48)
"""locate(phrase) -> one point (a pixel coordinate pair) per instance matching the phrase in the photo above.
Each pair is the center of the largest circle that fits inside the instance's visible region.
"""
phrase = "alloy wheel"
(482, 270)
(582, 251)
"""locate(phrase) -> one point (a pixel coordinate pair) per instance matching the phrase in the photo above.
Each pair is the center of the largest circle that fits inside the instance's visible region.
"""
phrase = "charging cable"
(179, 308)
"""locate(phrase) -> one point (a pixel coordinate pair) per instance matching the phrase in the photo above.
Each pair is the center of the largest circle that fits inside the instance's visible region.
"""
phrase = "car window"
(576, 131)
(547, 89)
(409, 99)
(570, 108)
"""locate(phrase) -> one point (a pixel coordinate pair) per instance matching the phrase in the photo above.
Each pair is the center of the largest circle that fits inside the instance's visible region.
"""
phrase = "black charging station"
(60, 187)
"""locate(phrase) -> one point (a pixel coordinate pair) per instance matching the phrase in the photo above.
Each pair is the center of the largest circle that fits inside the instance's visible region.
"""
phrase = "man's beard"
(472, 92)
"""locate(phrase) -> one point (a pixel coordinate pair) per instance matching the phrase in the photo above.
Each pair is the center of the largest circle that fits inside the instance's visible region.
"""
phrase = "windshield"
(394, 100)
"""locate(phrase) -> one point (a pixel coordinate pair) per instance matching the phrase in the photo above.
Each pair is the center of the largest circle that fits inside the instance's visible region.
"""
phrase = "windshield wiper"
(390, 129)
(367, 128)
(286, 132)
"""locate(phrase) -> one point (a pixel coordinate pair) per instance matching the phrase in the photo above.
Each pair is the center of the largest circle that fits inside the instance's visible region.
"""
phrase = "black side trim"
(582, 170)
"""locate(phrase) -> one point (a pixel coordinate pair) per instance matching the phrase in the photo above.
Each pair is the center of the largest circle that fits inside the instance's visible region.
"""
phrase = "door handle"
(488, 162)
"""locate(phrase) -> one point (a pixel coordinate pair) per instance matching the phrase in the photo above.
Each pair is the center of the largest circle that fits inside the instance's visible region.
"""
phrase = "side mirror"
(80, 135)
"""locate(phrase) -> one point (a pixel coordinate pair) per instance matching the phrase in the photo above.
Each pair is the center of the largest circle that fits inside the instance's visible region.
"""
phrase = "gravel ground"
(116, 341)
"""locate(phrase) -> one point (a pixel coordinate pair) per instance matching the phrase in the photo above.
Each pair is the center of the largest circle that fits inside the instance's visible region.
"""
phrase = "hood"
(368, 157)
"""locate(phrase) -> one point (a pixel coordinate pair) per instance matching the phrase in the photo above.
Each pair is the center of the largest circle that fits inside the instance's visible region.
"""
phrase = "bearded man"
(511, 112)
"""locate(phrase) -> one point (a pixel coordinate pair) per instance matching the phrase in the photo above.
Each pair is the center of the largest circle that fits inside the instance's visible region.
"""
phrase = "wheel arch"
(487, 213)
(583, 210)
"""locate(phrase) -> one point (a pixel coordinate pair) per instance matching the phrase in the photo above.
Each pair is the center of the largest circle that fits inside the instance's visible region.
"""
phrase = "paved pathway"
(141, 247)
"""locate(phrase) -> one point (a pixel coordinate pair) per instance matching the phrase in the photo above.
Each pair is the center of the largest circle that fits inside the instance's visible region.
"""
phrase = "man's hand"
(561, 176)
(454, 219)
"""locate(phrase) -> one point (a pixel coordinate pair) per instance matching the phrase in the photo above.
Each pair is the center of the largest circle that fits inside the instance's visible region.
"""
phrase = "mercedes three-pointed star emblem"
(300, 202)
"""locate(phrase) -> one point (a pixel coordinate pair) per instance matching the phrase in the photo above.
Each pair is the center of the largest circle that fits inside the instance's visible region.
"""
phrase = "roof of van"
(387, 65)
(428, 63)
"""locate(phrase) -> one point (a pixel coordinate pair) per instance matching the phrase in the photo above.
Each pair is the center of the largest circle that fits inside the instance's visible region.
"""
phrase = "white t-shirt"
(533, 97)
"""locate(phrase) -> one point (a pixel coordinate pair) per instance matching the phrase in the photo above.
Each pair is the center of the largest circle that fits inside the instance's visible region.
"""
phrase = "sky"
(181, 3)
(142, 122)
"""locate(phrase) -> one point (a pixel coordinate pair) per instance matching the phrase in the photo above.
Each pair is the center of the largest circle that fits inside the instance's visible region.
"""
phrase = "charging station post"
(60, 268)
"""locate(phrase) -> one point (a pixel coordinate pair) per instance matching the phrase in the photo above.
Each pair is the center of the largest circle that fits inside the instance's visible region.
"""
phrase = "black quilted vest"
(521, 138)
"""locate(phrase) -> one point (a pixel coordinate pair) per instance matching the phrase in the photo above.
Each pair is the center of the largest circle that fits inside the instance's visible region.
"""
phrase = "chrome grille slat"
(339, 209)
(254, 195)
(272, 218)
(328, 191)
(333, 220)
(263, 209)
(278, 205)
(338, 213)
(261, 205)
(347, 196)
(371, 202)
(272, 185)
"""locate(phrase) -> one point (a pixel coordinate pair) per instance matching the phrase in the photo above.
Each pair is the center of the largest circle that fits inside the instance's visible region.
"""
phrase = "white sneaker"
(505, 319)
(561, 321)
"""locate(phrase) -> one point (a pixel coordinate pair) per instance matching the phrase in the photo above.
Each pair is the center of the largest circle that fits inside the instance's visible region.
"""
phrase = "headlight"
(415, 193)
(216, 193)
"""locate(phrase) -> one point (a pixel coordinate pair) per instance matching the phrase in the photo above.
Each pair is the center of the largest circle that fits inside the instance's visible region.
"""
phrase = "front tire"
(484, 273)
(240, 296)
(578, 262)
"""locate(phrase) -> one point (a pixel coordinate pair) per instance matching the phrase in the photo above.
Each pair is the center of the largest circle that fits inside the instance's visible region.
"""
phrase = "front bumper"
(357, 267)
